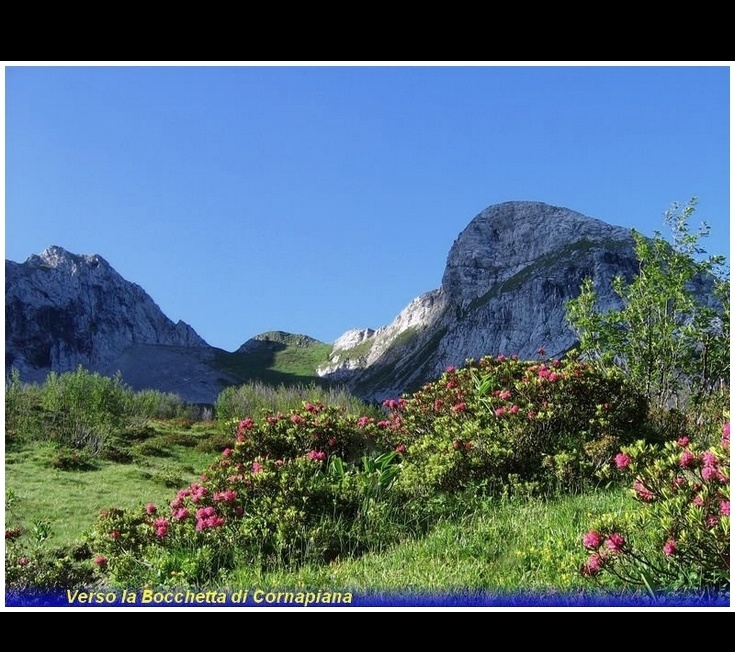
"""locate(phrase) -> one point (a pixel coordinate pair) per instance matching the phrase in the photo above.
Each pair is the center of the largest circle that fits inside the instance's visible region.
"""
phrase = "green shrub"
(503, 424)
(679, 537)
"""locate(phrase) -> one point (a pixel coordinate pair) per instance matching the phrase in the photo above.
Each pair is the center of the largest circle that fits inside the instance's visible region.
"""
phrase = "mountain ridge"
(507, 276)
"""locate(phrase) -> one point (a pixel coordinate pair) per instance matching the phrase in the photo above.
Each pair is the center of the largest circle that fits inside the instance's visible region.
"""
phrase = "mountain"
(507, 278)
(63, 310)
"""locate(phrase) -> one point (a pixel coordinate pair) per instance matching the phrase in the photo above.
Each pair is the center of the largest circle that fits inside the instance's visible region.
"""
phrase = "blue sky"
(323, 197)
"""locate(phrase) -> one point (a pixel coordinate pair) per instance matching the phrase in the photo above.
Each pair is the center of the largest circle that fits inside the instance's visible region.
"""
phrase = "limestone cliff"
(507, 278)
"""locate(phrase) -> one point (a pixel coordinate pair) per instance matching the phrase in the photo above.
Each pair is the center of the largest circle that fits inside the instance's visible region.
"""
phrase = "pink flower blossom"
(451, 369)
(712, 520)
(257, 467)
(500, 412)
(643, 492)
(514, 409)
(459, 407)
(297, 419)
(23, 561)
(622, 461)
(669, 547)
(541, 351)
(115, 534)
(161, 527)
(592, 540)
(504, 394)
(686, 459)
(710, 473)
(698, 501)
(709, 458)
(279, 463)
(615, 542)
(310, 407)
(683, 442)
(553, 377)
(315, 455)
(400, 449)
(181, 513)
(227, 452)
(726, 436)
(226, 496)
(593, 565)
(364, 421)
(246, 424)
(725, 508)
(501, 358)
(150, 509)
(101, 561)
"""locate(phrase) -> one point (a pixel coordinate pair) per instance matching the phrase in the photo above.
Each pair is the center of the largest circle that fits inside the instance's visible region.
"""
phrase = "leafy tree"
(672, 334)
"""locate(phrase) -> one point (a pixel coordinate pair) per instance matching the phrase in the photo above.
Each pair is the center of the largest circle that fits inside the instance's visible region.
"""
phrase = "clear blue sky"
(314, 199)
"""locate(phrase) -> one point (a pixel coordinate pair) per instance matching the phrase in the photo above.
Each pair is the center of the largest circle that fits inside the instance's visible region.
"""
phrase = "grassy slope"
(282, 359)
(499, 546)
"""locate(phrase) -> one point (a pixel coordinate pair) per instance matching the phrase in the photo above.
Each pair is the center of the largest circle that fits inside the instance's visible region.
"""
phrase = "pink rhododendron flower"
(310, 407)
(227, 452)
(683, 442)
(726, 436)
(501, 358)
(459, 407)
(710, 473)
(712, 520)
(161, 527)
(318, 456)
(24, 561)
(514, 409)
(279, 463)
(504, 394)
(114, 534)
(225, 496)
(709, 458)
(246, 424)
(400, 449)
(592, 540)
(615, 542)
(297, 419)
(669, 547)
(553, 377)
(500, 412)
(725, 508)
(686, 459)
(541, 351)
(150, 509)
(643, 492)
(622, 461)
(181, 514)
(593, 565)
(698, 501)
(451, 369)
(257, 467)
(101, 561)
(363, 421)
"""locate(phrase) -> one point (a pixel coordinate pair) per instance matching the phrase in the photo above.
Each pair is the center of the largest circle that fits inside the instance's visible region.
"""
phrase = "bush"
(679, 537)
(503, 424)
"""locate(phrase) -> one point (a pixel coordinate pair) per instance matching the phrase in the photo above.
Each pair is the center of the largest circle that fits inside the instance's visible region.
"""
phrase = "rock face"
(507, 278)
(63, 310)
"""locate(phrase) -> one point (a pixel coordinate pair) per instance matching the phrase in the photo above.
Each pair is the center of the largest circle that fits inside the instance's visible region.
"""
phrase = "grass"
(500, 546)
(495, 546)
(79, 495)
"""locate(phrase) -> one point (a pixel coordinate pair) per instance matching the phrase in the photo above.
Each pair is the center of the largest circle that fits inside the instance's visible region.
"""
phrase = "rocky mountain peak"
(508, 276)
(64, 309)
(504, 238)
